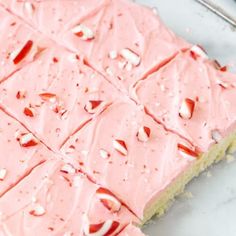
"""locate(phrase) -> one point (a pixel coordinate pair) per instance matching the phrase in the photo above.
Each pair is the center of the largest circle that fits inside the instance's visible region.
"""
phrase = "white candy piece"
(222, 83)
(104, 154)
(187, 156)
(3, 173)
(128, 66)
(113, 54)
(109, 71)
(14, 53)
(29, 8)
(130, 56)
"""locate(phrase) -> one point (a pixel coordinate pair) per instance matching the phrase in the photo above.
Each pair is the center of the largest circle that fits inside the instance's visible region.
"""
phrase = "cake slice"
(127, 152)
(131, 230)
(56, 95)
(124, 41)
(20, 152)
(119, 38)
(19, 44)
(56, 199)
(193, 98)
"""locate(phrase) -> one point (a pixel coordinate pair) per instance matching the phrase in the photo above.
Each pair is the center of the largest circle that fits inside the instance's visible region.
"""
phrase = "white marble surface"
(212, 210)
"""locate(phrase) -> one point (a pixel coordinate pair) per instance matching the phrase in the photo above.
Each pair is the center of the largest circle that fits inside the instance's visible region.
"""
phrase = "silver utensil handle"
(218, 11)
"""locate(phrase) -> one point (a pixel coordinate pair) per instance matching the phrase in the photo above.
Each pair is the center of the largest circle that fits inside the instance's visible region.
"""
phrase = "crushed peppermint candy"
(27, 140)
(38, 210)
(187, 108)
(143, 134)
(48, 97)
(83, 32)
(120, 146)
(105, 228)
(108, 199)
(21, 94)
(216, 136)
(68, 169)
(18, 56)
(28, 111)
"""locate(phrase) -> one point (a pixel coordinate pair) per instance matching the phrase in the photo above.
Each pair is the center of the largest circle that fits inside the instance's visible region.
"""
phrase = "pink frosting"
(131, 230)
(59, 75)
(73, 85)
(52, 16)
(147, 166)
(115, 26)
(16, 160)
(212, 90)
(14, 36)
(51, 201)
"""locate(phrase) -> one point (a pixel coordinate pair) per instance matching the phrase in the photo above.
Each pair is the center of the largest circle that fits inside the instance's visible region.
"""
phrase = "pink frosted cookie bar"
(51, 17)
(126, 151)
(193, 98)
(121, 39)
(131, 230)
(55, 95)
(19, 44)
(20, 152)
(56, 199)
(124, 41)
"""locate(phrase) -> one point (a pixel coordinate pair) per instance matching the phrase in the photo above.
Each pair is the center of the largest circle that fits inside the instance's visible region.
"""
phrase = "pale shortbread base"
(215, 154)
